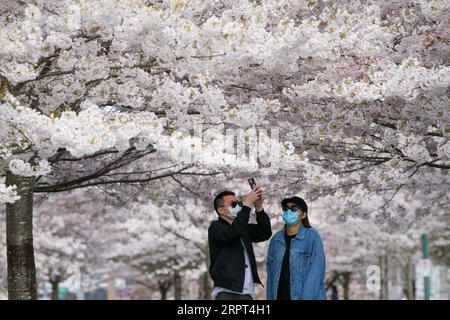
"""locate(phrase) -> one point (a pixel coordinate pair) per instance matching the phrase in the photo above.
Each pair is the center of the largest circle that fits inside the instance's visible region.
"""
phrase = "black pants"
(233, 296)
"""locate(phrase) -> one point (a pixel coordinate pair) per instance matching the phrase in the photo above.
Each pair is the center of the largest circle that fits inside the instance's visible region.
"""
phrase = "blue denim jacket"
(307, 265)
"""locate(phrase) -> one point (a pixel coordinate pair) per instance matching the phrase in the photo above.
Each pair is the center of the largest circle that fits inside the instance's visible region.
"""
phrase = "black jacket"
(226, 253)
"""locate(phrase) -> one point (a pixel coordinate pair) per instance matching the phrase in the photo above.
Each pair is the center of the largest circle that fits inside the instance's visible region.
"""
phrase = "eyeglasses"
(234, 204)
(292, 208)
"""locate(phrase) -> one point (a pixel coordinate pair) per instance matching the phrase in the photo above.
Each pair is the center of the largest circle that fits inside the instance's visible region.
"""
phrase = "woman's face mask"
(290, 217)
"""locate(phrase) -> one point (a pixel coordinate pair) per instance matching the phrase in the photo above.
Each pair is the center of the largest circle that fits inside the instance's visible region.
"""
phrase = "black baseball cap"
(298, 201)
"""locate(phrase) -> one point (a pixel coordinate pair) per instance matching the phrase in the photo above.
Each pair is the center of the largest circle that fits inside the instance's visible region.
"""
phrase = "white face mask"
(234, 211)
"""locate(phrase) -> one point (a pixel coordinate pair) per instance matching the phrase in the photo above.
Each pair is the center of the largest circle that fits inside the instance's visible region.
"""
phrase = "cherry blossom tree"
(355, 245)
(64, 243)
(96, 93)
(84, 143)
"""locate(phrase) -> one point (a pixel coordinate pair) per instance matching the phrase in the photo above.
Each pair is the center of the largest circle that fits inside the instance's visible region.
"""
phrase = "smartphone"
(252, 183)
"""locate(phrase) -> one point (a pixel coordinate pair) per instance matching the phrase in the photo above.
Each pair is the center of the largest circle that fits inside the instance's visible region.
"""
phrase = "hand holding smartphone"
(252, 183)
(259, 201)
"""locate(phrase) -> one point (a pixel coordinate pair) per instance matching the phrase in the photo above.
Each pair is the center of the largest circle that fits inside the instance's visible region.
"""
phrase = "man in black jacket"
(233, 264)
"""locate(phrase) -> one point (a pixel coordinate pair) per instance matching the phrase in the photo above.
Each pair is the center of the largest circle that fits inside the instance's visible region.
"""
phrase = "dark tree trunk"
(331, 285)
(345, 282)
(205, 287)
(55, 289)
(409, 281)
(19, 240)
(164, 286)
(384, 292)
(177, 286)
(54, 280)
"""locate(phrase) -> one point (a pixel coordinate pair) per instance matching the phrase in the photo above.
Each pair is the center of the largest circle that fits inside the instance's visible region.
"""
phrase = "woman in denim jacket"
(296, 259)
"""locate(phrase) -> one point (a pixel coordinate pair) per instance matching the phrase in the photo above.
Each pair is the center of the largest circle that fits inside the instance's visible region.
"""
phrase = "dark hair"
(301, 204)
(218, 200)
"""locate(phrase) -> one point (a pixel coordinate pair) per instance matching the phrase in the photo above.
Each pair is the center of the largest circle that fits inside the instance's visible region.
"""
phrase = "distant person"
(233, 265)
(296, 258)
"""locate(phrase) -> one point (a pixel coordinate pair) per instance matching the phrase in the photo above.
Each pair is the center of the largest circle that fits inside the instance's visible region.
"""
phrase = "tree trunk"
(111, 291)
(205, 287)
(346, 276)
(409, 281)
(19, 240)
(177, 285)
(163, 292)
(164, 286)
(55, 289)
(384, 292)
(331, 285)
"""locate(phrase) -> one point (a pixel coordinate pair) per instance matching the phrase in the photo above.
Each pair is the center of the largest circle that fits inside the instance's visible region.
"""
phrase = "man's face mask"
(234, 208)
